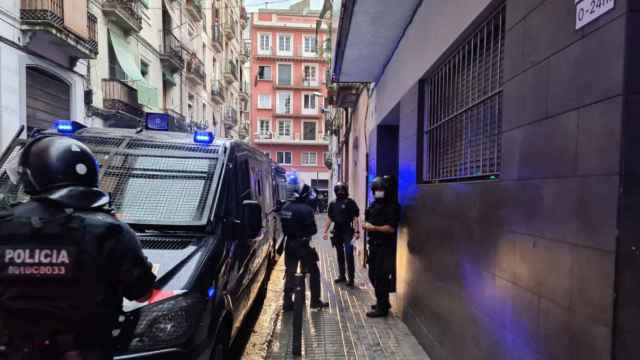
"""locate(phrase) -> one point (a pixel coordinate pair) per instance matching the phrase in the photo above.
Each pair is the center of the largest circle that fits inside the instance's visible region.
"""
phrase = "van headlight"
(167, 323)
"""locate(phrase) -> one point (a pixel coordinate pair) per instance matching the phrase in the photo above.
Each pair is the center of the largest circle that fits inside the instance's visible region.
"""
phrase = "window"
(309, 46)
(284, 102)
(264, 44)
(264, 72)
(462, 113)
(309, 130)
(284, 44)
(284, 74)
(283, 157)
(309, 158)
(264, 127)
(310, 75)
(284, 128)
(264, 101)
(309, 104)
(144, 69)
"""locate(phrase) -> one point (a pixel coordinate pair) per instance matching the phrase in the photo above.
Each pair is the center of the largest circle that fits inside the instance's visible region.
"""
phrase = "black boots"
(319, 304)
(339, 280)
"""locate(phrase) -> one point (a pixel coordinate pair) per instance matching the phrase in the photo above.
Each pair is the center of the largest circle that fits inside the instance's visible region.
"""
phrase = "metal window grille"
(463, 108)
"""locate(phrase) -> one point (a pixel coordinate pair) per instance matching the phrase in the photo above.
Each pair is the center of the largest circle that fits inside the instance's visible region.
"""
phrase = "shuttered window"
(48, 99)
(463, 108)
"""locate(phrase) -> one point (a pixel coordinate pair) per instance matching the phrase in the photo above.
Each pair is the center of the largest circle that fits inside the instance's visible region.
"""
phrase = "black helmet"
(63, 169)
(378, 184)
(341, 189)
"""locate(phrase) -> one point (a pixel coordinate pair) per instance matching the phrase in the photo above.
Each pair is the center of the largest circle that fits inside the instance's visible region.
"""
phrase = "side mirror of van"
(252, 216)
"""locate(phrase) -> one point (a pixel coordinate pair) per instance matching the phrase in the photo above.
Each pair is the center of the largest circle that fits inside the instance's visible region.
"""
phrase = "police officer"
(65, 261)
(299, 225)
(381, 223)
(343, 214)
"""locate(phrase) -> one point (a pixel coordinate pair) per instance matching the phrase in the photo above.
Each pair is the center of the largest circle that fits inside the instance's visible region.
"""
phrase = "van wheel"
(221, 348)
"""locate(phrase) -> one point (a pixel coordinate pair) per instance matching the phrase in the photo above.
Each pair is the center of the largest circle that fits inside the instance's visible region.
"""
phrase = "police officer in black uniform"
(299, 225)
(65, 261)
(343, 214)
(381, 223)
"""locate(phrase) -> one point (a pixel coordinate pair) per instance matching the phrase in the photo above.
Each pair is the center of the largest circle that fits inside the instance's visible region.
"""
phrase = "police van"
(205, 213)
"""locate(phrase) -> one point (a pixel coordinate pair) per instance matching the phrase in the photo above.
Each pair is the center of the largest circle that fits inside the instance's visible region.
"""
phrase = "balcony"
(269, 138)
(178, 122)
(244, 91)
(50, 25)
(216, 37)
(230, 72)
(124, 13)
(195, 70)
(245, 53)
(217, 92)
(244, 17)
(120, 97)
(230, 28)
(171, 55)
(194, 8)
(230, 116)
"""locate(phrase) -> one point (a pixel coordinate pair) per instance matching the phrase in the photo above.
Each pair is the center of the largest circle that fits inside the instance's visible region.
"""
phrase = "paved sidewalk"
(340, 332)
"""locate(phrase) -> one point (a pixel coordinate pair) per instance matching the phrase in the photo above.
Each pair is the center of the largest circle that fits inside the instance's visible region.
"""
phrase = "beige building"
(178, 57)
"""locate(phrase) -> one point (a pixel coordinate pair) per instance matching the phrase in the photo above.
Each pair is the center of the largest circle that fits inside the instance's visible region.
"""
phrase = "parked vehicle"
(205, 211)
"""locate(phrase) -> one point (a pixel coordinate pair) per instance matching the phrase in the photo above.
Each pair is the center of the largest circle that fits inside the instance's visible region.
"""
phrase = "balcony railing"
(231, 72)
(230, 116)
(125, 13)
(171, 55)
(49, 16)
(217, 93)
(119, 96)
(216, 36)
(245, 52)
(194, 7)
(230, 27)
(195, 69)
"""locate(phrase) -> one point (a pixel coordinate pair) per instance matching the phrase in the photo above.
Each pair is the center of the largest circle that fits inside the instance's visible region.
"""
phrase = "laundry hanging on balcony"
(147, 94)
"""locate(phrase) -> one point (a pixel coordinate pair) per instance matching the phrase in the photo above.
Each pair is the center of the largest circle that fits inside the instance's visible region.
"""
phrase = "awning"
(147, 94)
(167, 77)
(125, 58)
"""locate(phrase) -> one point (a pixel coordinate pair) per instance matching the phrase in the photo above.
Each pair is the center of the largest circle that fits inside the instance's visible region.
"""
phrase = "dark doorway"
(387, 153)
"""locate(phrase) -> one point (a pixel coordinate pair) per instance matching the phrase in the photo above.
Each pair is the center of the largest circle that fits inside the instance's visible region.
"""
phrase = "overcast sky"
(253, 5)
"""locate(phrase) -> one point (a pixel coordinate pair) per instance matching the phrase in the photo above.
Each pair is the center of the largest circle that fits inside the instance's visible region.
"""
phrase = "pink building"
(288, 91)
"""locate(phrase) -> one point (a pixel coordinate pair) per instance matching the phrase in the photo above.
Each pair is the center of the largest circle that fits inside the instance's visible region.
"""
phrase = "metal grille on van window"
(171, 148)
(158, 189)
(164, 243)
(100, 141)
(463, 108)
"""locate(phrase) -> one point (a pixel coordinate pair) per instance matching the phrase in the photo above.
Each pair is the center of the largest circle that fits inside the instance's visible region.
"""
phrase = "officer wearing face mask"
(343, 214)
(381, 223)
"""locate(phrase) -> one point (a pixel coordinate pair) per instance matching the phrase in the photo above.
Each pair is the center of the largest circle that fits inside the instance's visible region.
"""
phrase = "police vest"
(48, 275)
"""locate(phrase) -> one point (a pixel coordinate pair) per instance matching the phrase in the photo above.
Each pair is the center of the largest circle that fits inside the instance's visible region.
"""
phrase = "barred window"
(463, 108)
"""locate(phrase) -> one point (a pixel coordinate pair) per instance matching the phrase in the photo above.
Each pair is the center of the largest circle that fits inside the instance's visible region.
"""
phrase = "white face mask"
(378, 194)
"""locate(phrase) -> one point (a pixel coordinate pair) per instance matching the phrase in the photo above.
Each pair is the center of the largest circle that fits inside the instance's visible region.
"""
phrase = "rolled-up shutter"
(48, 99)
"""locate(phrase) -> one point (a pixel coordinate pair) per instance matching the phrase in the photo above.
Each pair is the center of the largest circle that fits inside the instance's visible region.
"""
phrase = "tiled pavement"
(341, 331)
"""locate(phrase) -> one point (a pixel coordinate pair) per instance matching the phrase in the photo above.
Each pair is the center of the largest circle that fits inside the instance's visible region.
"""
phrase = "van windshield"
(150, 183)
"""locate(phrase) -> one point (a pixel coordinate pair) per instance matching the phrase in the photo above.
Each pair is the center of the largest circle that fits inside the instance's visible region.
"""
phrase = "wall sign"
(589, 10)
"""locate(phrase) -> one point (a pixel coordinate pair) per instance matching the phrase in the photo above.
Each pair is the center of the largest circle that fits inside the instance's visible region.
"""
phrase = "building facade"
(45, 47)
(107, 63)
(517, 171)
(288, 90)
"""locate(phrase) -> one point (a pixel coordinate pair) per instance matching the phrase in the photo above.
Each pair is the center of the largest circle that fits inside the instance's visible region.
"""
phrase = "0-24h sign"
(589, 10)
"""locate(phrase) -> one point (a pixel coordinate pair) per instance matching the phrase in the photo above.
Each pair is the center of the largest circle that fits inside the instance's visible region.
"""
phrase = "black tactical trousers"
(344, 251)
(380, 271)
(308, 258)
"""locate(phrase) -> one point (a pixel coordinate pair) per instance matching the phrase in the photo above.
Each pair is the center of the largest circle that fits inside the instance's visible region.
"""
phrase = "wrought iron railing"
(216, 34)
(195, 67)
(130, 7)
(172, 47)
(231, 68)
(216, 89)
(230, 115)
(52, 12)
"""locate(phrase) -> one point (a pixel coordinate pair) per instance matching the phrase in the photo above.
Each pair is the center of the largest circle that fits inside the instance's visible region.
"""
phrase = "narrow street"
(340, 332)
